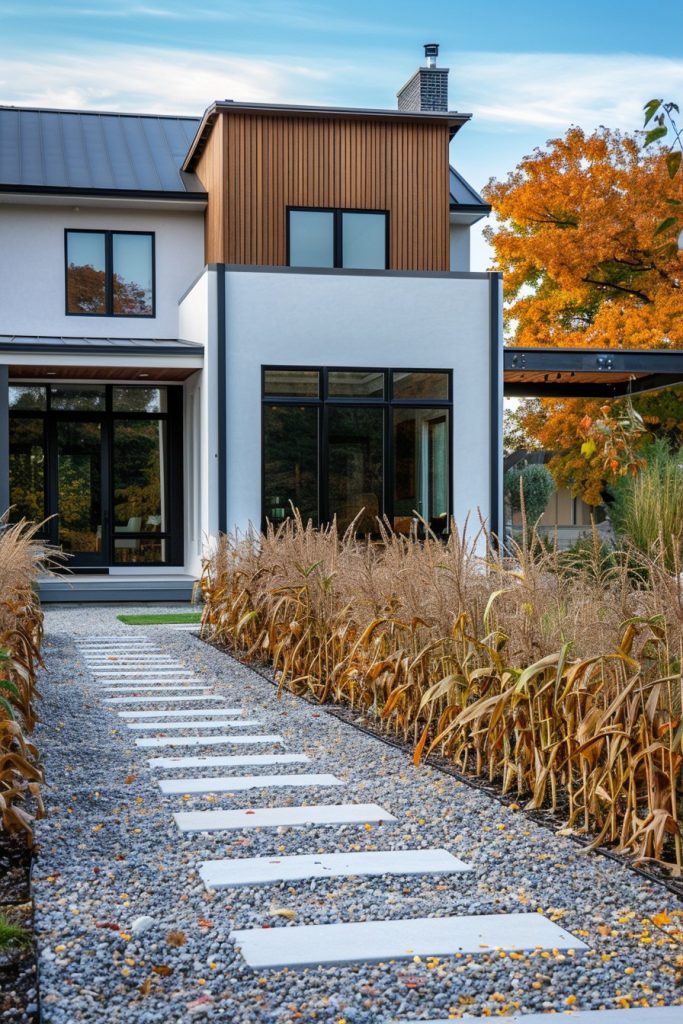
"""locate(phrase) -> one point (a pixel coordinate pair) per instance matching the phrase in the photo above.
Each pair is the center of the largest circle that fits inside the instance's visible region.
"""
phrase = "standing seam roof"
(92, 150)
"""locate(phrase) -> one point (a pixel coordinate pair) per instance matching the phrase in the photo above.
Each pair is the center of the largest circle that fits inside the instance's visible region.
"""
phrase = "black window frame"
(174, 535)
(109, 273)
(387, 403)
(338, 235)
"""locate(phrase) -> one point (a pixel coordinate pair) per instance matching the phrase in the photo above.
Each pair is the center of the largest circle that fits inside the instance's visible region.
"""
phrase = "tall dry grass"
(22, 558)
(558, 679)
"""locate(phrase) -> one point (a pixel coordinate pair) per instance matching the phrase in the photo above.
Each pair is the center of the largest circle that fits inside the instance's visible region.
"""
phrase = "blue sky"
(526, 70)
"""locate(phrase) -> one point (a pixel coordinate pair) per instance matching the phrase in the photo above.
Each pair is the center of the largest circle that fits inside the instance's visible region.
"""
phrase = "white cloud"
(509, 94)
(553, 90)
(151, 80)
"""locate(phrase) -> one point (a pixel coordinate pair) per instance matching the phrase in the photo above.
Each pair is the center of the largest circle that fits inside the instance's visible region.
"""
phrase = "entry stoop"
(83, 588)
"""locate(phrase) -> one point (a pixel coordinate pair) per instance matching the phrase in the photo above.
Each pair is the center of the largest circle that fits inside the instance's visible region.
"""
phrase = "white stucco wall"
(197, 322)
(460, 247)
(32, 284)
(337, 319)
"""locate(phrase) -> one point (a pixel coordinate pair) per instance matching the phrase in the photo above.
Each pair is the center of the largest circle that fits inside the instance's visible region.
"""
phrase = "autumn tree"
(585, 239)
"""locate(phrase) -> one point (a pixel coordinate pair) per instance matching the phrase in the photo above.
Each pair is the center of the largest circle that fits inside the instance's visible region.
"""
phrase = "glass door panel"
(79, 490)
(290, 462)
(355, 451)
(27, 469)
(421, 473)
(140, 490)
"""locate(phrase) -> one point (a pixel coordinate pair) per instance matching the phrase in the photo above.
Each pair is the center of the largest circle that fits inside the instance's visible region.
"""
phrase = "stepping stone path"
(134, 672)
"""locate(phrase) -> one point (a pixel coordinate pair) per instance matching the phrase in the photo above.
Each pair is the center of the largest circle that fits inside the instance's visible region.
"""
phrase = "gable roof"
(464, 197)
(84, 152)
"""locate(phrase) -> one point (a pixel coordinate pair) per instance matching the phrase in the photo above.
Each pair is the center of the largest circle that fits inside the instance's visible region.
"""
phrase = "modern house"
(205, 321)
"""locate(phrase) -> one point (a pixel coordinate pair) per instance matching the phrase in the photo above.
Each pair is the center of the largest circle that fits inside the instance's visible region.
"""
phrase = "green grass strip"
(12, 934)
(172, 618)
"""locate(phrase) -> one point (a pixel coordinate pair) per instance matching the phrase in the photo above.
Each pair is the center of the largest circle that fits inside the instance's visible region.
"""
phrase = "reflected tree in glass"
(290, 456)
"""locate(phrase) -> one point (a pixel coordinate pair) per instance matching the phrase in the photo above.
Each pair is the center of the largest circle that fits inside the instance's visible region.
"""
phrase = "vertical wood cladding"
(255, 166)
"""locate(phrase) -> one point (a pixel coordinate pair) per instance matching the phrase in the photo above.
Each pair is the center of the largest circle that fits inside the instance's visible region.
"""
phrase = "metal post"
(496, 523)
(4, 439)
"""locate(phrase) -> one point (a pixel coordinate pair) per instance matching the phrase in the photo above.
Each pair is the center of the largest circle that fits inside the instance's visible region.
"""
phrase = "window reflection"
(78, 397)
(356, 466)
(364, 240)
(132, 274)
(303, 383)
(311, 238)
(109, 273)
(421, 458)
(290, 452)
(355, 384)
(421, 385)
(86, 272)
(27, 396)
(27, 469)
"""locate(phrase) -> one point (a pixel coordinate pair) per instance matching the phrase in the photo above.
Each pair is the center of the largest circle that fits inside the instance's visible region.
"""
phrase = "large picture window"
(357, 445)
(110, 273)
(338, 238)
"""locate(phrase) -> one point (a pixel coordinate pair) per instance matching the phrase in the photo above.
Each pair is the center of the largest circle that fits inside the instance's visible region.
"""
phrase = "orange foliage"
(583, 267)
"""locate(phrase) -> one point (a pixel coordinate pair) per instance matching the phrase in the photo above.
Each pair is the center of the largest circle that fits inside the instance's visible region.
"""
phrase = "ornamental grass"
(22, 558)
(557, 678)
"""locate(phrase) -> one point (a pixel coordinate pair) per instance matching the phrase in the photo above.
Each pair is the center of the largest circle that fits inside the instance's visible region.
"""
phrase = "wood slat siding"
(255, 166)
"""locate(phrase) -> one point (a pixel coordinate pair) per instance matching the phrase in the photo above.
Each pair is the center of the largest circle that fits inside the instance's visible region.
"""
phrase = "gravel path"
(111, 853)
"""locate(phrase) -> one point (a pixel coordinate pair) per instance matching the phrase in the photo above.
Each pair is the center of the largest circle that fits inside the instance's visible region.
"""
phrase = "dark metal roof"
(589, 373)
(99, 346)
(91, 151)
(464, 197)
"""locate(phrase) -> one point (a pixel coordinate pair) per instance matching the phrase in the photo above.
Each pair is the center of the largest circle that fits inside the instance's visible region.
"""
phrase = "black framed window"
(105, 462)
(109, 273)
(357, 239)
(358, 444)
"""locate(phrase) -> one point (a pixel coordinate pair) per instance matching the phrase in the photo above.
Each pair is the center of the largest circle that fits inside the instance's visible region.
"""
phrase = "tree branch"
(619, 288)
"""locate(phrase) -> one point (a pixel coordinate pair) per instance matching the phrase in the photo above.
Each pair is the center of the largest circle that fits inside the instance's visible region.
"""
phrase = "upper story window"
(109, 273)
(338, 238)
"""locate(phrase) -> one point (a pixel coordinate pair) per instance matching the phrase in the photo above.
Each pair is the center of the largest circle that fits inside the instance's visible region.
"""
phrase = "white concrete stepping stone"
(238, 783)
(219, 874)
(273, 817)
(139, 673)
(204, 741)
(635, 1015)
(241, 723)
(128, 654)
(181, 714)
(140, 663)
(149, 699)
(192, 691)
(371, 941)
(227, 760)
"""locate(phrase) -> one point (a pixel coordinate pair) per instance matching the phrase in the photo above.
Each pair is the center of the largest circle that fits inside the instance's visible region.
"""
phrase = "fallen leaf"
(129, 779)
(176, 938)
(163, 969)
(146, 987)
(276, 911)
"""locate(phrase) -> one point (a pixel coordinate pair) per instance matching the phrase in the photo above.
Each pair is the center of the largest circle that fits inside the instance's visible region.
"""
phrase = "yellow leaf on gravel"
(276, 911)
(661, 919)
(176, 938)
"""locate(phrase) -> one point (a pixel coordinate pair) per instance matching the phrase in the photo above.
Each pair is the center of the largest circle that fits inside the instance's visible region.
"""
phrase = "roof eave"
(453, 119)
(103, 193)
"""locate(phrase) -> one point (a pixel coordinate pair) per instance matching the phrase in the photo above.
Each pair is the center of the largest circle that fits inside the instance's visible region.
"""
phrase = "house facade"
(205, 322)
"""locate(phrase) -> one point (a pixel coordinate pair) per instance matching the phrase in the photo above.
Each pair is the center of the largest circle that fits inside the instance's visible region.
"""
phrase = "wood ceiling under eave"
(136, 374)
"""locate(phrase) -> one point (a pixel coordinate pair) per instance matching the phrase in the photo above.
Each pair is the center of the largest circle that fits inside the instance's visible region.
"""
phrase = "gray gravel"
(110, 853)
